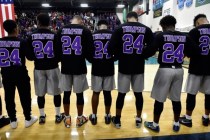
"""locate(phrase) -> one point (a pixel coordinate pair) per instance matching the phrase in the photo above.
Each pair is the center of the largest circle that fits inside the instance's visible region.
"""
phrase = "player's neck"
(12, 35)
(169, 29)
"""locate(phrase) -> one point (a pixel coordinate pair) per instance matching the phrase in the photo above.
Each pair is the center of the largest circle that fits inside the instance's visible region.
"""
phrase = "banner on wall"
(157, 4)
(189, 3)
(201, 2)
(167, 12)
(180, 4)
(157, 13)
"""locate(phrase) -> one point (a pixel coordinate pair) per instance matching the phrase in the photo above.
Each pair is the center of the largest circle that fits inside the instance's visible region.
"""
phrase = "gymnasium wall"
(184, 16)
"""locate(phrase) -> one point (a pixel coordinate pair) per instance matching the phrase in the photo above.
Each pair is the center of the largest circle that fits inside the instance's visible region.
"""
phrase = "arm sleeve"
(56, 48)
(191, 48)
(152, 44)
(88, 45)
(28, 49)
(114, 43)
(59, 46)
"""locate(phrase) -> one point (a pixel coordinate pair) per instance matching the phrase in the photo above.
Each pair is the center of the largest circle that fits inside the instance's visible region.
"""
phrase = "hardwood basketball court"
(53, 131)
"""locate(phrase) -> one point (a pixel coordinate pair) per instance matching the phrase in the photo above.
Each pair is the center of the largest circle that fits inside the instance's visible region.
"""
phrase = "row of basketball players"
(130, 44)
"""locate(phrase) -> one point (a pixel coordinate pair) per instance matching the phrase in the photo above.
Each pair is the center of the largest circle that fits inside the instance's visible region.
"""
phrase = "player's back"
(44, 45)
(12, 56)
(200, 65)
(103, 63)
(129, 40)
(173, 46)
(75, 40)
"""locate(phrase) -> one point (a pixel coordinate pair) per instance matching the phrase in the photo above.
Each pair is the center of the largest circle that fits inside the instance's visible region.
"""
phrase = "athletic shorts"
(136, 81)
(167, 83)
(99, 83)
(79, 83)
(47, 81)
(197, 83)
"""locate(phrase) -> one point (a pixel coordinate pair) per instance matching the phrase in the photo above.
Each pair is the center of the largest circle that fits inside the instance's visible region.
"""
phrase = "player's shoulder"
(106, 31)
(10, 39)
(43, 31)
(196, 29)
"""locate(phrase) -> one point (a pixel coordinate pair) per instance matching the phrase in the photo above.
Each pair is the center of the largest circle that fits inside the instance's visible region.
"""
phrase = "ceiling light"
(120, 6)
(46, 5)
(84, 5)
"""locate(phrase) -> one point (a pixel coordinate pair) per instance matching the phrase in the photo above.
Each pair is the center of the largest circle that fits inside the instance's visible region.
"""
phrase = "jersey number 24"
(6, 59)
(170, 55)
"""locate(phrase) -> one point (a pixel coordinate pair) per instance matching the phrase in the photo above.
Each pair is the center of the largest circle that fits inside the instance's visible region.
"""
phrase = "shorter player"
(14, 74)
(3, 119)
(172, 46)
(102, 72)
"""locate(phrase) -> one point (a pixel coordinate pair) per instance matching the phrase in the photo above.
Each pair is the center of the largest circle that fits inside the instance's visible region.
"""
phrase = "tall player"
(102, 72)
(15, 74)
(126, 44)
(199, 71)
(46, 72)
(76, 43)
(172, 46)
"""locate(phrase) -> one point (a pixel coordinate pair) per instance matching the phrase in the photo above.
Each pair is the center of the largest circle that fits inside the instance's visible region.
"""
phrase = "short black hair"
(168, 21)
(132, 14)
(197, 17)
(100, 22)
(9, 26)
(44, 19)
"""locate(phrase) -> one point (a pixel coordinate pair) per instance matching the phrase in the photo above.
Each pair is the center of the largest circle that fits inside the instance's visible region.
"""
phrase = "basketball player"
(3, 119)
(46, 72)
(199, 71)
(75, 41)
(172, 46)
(15, 74)
(102, 72)
(126, 45)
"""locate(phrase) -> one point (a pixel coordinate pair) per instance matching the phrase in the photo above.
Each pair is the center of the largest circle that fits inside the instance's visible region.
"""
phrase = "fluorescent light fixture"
(84, 5)
(46, 5)
(120, 6)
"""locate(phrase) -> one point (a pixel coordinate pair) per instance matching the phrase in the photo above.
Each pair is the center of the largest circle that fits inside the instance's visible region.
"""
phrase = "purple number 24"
(129, 44)
(69, 45)
(169, 55)
(6, 58)
(40, 50)
(101, 50)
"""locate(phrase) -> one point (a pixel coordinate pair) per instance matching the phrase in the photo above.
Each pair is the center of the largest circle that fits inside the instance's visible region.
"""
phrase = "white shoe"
(14, 124)
(31, 122)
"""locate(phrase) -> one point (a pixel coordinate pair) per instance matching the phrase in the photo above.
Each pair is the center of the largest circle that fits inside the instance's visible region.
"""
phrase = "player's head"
(10, 27)
(168, 22)
(77, 20)
(43, 20)
(200, 19)
(132, 17)
(102, 24)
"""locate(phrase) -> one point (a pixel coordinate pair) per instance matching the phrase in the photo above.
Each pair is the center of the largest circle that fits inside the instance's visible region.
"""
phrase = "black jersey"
(43, 43)
(127, 43)
(200, 65)
(76, 44)
(172, 47)
(12, 57)
(103, 63)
